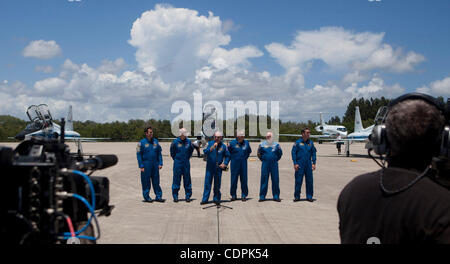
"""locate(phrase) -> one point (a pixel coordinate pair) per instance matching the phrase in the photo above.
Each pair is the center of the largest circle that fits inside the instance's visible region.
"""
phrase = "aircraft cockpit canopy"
(33, 113)
(39, 116)
(381, 115)
(45, 112)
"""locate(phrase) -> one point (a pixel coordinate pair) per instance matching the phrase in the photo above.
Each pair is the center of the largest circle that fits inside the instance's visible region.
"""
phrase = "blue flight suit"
(304, 154)
(269, 154)
(149, 157)
(181, 152)
(239, 154)
(214, 158)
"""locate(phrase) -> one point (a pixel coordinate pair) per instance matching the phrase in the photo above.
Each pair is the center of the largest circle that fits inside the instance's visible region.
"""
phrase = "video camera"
(46, 198)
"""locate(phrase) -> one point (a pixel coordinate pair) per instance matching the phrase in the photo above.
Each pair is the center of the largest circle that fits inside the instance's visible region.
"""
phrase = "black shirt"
(420, 214)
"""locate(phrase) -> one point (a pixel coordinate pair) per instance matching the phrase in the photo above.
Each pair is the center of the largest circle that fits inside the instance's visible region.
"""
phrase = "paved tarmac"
(133, 221)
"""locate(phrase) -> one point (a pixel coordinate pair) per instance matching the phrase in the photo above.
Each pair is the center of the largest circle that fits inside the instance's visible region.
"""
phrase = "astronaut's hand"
(160, 166)
(142, 169)
(296, 167)
(313, 166)
(222, 166)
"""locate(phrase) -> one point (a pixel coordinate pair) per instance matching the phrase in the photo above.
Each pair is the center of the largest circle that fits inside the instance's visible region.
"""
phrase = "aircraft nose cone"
(20, 136)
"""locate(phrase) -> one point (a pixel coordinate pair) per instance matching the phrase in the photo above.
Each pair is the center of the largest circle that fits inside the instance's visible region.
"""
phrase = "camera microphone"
(98, 162)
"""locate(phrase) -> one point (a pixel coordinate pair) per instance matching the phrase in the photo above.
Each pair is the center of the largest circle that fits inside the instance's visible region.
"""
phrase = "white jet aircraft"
(361, 134)
(327, 131)
(43, 125)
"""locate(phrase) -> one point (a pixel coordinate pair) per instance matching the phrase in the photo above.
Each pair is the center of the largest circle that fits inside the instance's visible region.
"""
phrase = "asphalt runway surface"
(133, 221)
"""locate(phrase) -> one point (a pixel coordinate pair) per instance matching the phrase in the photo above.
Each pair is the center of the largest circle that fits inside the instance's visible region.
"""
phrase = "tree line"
(133, 130)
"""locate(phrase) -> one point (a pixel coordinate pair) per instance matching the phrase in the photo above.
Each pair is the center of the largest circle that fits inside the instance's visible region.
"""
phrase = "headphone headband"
(419, 96)
(378, 137)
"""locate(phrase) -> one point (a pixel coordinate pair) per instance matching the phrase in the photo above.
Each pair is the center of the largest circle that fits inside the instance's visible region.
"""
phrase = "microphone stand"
(218, 205)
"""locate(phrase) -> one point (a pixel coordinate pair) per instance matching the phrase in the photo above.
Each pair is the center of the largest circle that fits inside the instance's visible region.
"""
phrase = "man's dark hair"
(304, 130)
(147, 128)
(413, 129)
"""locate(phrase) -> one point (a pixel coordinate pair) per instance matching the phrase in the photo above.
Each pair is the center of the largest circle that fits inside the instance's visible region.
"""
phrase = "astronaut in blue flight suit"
(217, 160)
(181, 151)
(240, 151)
(304, 158)
(150, 161)
(269, 153)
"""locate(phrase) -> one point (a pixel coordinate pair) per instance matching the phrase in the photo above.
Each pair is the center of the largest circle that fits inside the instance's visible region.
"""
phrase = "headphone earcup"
(444, 148)
(378, 139)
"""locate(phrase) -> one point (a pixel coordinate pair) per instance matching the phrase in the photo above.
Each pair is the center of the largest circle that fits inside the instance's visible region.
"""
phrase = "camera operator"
(399, 203)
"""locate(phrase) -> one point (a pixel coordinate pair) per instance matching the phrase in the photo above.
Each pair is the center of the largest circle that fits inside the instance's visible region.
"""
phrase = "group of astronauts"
(218, 156)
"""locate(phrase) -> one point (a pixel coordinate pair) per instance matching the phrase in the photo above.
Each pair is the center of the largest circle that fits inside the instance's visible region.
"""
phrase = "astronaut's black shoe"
(188, 200)
(160, 200)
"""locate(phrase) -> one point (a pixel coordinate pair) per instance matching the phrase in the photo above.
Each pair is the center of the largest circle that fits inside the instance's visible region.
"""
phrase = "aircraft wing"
(343, 140)
(85, 139)
(299, 135)
(357, 139)
(352, 140)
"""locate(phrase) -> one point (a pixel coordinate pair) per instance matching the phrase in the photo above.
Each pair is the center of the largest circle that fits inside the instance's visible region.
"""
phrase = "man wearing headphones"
(400, 203)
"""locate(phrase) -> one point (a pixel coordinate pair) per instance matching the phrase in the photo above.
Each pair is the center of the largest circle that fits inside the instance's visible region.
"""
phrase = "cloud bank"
(179, 51)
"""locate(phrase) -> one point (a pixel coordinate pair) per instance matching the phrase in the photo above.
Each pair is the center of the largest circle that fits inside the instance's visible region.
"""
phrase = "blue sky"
(97, 32)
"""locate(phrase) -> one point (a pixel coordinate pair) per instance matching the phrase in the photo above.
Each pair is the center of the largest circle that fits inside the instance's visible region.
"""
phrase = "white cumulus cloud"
(222, 58)
(51, 86)
(42, 49)
(176, 41)
(437, 88)
(179, 51)
(113, 67)
(387, 58)
(343, 49)
(376, 87)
